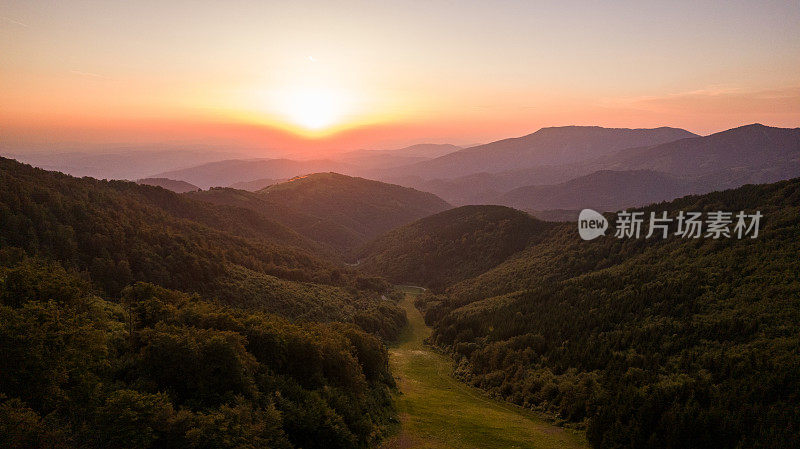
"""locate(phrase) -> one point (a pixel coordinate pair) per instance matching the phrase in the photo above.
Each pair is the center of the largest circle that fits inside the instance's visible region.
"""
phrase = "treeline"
(163, 369)
(451, 246)
(674, 343)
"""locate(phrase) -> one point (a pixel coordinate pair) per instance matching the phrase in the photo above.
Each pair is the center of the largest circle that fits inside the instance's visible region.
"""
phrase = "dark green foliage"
(21, 427)
(450, 246)
(651, 343)
(162, 368)
(121, 232)
(99, 348)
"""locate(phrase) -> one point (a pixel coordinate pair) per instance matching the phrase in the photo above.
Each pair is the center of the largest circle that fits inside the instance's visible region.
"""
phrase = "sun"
(313, 108)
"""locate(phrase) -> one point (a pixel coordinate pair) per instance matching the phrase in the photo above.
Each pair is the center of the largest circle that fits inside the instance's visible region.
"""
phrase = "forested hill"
(340, 211)
(319, 229)
(367, 208)
(133, 317)
(649, 342)
(121, 232)
(158, 368)
(450, 246)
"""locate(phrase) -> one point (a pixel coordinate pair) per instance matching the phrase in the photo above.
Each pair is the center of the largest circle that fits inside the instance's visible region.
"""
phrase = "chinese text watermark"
(690, 225)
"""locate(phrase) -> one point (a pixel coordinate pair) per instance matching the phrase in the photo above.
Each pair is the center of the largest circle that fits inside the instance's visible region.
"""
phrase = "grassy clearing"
(437, 411)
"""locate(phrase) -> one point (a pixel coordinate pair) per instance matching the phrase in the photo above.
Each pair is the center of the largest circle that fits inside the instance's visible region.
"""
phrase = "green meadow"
(438, 411)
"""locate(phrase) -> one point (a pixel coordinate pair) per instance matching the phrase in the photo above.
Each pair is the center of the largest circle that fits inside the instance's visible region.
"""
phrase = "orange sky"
(314, 77)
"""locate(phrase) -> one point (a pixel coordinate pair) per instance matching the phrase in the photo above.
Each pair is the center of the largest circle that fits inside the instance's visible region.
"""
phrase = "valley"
(437, 411)
(527, 336)
(396, 225)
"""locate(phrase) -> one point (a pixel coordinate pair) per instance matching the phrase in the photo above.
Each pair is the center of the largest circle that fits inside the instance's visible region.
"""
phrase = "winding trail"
(437, 411)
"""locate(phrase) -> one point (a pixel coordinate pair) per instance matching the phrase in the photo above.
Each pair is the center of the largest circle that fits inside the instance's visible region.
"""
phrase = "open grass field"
(437, 411)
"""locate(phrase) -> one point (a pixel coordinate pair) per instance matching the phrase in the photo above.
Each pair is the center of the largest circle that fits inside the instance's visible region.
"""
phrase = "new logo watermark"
(692, 225)
(591, 224)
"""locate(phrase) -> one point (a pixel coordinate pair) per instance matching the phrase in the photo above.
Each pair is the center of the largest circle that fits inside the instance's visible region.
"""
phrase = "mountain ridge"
(334, 209)
(225, 173)
(169, 184)
(727, 159)
(547, 146)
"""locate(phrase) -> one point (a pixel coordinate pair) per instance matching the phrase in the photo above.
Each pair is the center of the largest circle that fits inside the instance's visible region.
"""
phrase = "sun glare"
(313, 108)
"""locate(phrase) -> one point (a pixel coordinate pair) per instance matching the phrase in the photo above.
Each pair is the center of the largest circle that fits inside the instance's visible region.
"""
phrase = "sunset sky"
(317, 76)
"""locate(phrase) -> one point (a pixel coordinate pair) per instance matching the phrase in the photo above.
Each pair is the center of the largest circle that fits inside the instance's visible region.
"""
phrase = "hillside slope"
(121, 232)
(752, 149)
(256, 184)
(361, 206)
(131, 316)
(319, 229)
(450, 246)
(651, 342)
(160, 368)
(605, 190)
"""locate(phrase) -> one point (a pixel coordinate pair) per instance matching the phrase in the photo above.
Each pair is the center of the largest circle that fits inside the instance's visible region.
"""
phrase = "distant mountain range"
(253, 174)
(750, 154)
(120, 162)
(225, 173)
(381, 159)
(560, 168)
(550, 170)
(547, 146)
(632, 176)
(365, 160)
(169, 184)
(256, 185)
(752, 148)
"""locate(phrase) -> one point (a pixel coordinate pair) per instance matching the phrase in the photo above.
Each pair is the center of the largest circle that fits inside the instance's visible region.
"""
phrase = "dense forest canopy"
(131, 316)
(450, 246)
(160, 368)
(121, 232)
(661, 342)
